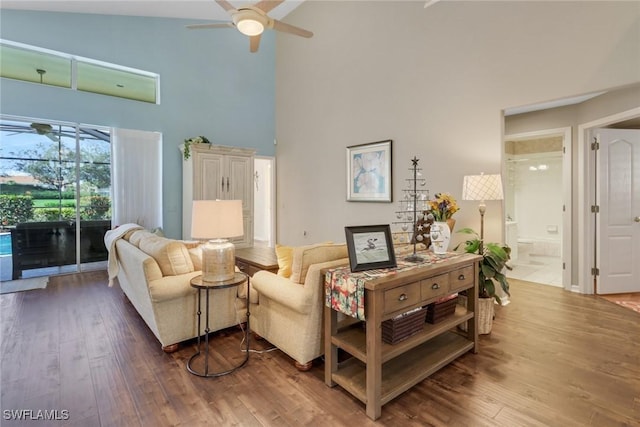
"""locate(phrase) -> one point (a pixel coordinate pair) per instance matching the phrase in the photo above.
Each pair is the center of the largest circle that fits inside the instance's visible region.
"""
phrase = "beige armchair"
(289, 311)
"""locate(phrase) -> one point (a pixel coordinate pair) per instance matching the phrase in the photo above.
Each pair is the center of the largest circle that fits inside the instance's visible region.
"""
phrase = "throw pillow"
(285, 260)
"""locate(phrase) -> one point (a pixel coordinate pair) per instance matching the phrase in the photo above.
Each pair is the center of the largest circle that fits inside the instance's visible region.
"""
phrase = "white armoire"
(218, 172)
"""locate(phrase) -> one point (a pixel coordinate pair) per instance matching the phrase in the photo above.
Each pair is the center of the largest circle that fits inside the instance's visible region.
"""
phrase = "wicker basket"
(440, 310)
(403, 326)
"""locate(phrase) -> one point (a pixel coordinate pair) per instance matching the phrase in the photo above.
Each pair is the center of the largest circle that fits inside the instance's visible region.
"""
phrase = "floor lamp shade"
(216, 221)
(482, 187)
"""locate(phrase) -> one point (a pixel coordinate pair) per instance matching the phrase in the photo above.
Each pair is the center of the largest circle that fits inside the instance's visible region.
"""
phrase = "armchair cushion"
(282, 290)
(305, 256)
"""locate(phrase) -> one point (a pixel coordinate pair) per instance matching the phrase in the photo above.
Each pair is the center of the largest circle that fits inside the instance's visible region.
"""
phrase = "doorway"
(537, 226)
(264, 201)
(611, 227)
(55, 203)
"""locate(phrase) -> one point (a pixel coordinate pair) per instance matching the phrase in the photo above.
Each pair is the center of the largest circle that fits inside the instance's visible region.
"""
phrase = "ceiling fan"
(253, 20)
(44, 129)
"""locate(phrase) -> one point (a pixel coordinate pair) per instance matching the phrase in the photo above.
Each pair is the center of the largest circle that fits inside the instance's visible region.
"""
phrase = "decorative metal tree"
(412, 207)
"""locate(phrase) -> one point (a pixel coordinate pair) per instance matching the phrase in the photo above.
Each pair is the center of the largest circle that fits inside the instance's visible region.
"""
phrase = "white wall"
(433, 80)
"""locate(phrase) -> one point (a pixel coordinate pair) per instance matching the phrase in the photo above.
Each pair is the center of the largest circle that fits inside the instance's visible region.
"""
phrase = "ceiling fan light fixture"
(249, 22)
(250, 27)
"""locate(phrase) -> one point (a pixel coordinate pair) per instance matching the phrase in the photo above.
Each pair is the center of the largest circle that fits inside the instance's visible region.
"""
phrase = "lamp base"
(218, 260)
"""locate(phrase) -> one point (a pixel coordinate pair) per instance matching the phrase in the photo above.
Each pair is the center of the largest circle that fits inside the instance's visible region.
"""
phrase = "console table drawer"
(461, 277)
(435, 286)
(401, 297)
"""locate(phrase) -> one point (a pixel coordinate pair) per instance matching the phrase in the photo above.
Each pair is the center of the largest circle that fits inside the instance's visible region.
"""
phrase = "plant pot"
(484, 313)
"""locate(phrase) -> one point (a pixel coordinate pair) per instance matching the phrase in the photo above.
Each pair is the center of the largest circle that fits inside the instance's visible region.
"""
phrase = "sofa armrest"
(282, 290)
(172, 287)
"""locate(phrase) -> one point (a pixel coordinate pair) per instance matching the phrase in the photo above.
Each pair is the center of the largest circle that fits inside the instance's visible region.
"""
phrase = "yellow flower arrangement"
(443, 206)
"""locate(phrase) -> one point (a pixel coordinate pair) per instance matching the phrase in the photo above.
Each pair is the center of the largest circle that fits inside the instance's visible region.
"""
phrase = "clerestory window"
(43, 66)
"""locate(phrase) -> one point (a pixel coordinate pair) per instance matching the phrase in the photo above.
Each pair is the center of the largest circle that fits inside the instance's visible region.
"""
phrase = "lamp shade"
(215, 219)
(482, 187)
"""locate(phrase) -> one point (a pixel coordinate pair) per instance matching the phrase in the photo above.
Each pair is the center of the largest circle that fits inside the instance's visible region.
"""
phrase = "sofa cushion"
(171, 255)
(196, 257)
(136, 237)
(285, 260)
(304, 256)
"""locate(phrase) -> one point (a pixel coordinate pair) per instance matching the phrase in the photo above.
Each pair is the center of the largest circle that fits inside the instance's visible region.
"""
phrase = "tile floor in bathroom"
(536, 268)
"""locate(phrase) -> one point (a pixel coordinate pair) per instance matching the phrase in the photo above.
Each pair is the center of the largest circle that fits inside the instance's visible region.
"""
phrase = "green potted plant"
(494, 261)
(195, 140)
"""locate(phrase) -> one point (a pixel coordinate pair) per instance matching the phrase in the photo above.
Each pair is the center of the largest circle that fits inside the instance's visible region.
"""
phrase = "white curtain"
(136, 175)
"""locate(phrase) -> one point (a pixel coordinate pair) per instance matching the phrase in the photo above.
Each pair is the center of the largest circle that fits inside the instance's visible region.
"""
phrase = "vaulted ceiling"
(188, 9)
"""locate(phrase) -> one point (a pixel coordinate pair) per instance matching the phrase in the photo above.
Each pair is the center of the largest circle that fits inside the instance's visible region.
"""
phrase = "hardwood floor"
(554, 358)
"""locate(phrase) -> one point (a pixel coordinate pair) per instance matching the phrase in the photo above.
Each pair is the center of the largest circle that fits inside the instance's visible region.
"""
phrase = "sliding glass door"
(55, 201)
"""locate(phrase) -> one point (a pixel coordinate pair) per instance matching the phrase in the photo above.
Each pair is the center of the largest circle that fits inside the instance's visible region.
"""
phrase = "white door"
(618, 223)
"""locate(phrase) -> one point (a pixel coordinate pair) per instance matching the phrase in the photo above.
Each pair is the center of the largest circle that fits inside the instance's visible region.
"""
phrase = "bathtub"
(541, 246)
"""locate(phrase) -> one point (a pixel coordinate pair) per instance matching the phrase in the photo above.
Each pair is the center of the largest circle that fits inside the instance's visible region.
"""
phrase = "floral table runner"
(344, 290)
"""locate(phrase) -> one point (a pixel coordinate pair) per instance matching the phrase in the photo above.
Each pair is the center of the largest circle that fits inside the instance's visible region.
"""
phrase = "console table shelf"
(404, 371)
(354, 339)
(379, 372)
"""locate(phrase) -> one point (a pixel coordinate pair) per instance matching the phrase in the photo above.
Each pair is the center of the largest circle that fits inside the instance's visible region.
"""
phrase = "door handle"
(637, 219)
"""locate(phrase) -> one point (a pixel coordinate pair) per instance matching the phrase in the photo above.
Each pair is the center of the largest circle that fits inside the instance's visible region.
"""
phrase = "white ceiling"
(188, 9)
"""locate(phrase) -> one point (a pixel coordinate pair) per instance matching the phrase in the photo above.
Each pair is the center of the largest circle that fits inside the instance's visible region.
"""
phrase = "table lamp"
(217, 220)
(482, 187)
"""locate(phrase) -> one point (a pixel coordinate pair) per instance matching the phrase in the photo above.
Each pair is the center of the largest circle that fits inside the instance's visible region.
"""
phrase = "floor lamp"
(482, 187)
(217, 220)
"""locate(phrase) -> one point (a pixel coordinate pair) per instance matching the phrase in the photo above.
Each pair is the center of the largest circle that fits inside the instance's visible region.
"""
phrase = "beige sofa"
(289, 310)
(155, 274)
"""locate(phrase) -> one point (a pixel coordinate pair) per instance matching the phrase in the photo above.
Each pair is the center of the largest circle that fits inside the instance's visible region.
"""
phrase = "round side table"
(201, 285)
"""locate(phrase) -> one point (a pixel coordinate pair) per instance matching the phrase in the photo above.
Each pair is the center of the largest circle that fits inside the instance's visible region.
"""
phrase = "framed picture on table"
(370, 247)
(369, 172)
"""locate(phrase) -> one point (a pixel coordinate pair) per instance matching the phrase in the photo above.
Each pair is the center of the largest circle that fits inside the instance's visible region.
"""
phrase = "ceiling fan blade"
(254, 43)
(226, 5)
(204, 26)
(267, 5)
(286, 28)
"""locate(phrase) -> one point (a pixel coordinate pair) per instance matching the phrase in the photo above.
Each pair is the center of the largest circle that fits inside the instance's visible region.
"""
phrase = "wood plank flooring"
(554, 358)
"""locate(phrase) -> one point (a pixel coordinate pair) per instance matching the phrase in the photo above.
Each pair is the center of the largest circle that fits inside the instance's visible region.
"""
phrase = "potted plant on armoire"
(492, 267)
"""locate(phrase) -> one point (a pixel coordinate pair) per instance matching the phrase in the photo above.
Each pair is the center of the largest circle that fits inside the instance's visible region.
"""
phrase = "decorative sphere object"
(419, 237)
(420, 216)
(430, 217)
(404, 227)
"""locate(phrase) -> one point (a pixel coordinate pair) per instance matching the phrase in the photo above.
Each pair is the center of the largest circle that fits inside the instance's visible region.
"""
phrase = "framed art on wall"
(369, 172)
(370, 247)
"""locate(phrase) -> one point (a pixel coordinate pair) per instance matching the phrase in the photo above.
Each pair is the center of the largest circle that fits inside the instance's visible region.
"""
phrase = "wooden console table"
(251, 260)
(378, 372)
